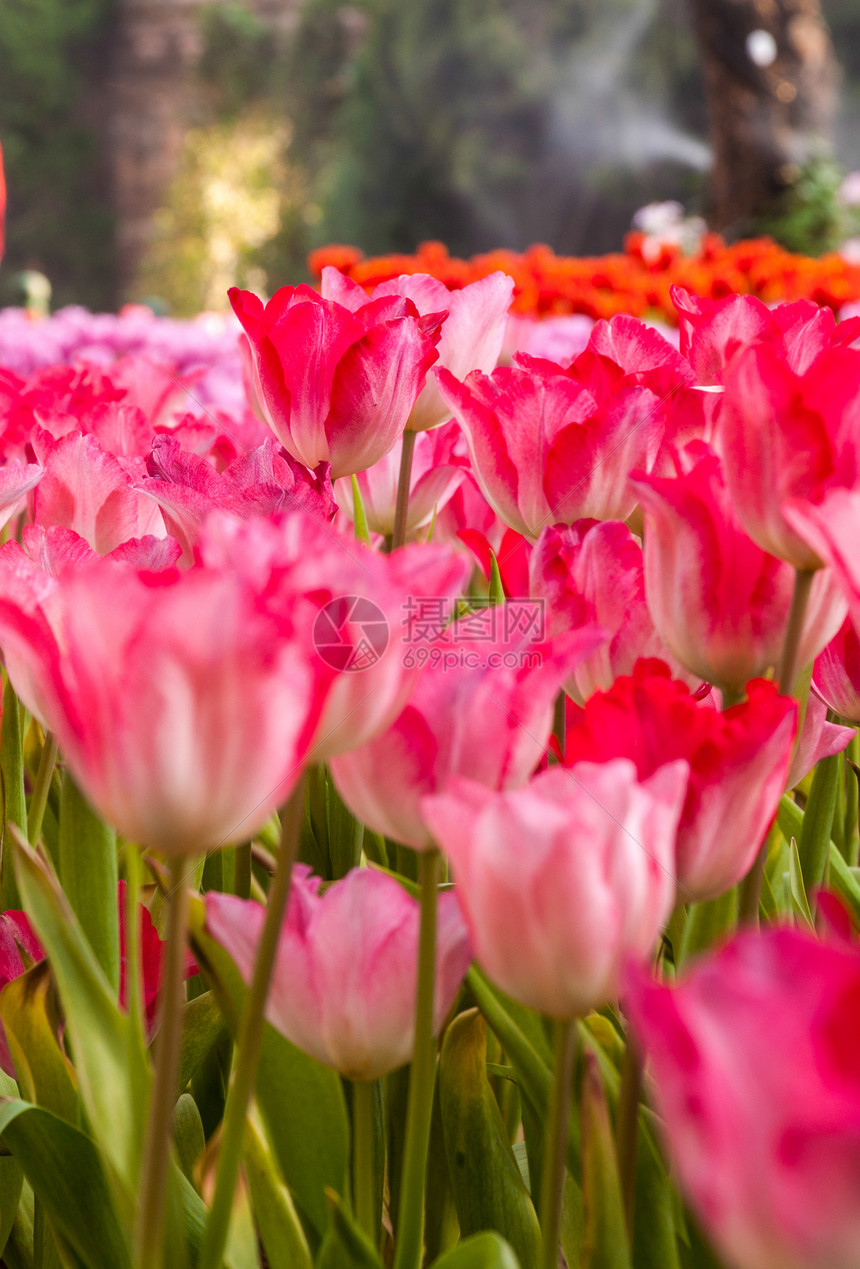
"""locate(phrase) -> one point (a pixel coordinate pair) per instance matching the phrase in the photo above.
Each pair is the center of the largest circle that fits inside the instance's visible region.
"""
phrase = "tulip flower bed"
(430, 785)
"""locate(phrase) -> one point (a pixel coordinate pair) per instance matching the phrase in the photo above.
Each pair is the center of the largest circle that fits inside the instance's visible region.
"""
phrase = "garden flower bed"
(429, 761)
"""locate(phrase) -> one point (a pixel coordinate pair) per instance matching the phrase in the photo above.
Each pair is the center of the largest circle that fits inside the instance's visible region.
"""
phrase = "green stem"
(41, 788)
(750, 893)
(410, 1223)
(133, 978)
(732, 696)
(559, 720)
(788, 667)
(149, 1235)
(363, 1187)
(627, 1130)
(242, 870)
(250, 1038)
(556, 1143)
(404, 480)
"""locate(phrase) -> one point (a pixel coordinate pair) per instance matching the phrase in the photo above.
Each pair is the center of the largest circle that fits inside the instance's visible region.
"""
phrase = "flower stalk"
(250, 1037)
(422, 1076)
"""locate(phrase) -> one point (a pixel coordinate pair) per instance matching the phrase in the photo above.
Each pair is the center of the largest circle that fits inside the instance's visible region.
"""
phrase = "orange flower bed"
(635, 281)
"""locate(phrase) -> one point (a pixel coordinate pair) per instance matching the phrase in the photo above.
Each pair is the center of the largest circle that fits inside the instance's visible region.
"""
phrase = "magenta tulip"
(472, 333)
(593, 573)
(756, 1063)
(718, 600)
(335, 385)
(545, 451)
(836, 673)
(738, 761)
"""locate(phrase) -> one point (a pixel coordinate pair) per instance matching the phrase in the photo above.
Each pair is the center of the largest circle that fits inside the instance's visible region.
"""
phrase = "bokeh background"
(162, 150)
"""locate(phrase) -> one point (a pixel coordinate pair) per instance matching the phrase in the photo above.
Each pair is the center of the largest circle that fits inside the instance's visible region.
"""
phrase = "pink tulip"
(593, 573)
(86, 489)
(626, 352)
(472, 333)
(343, 987)
(738, 761)
(266, 480)
(713, 331)
(483, 707)
(788, 440)
(830, 529)
(16, 481)
(756, 1063)
(564, 880)
(836, 673)
(544, 451)
(364, 605)
(19, 949)
(719, 601)
(184, 703)
(818, 739)
(437, 472)
(337, 386)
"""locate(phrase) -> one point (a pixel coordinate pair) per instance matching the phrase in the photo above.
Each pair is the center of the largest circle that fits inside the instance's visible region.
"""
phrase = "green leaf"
(188, 1134)
(814, 842)
(88, 872)
(112, 1069)
(359, 515)
(11, 1184)
(706, 924)
(844, 882)
(497, 590)
(799, 901)
(63, 1166)
(344, 833)
(278, 1221)
(45, 1075)
(14, 796)
(789, 817)
(487, 1250)
(345, 1246)
(605, 1234)
(203, 1027)
(489, 1192)
(302, 1102)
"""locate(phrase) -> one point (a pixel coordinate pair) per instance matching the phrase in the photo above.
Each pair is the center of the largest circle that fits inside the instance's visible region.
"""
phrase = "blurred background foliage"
(482, 123)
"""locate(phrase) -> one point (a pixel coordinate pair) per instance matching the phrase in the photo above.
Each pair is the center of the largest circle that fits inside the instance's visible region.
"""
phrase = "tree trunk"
(770, 78)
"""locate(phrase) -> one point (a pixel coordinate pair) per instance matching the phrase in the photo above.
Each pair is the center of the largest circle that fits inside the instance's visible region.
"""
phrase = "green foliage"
(51, 52)
(809, 217)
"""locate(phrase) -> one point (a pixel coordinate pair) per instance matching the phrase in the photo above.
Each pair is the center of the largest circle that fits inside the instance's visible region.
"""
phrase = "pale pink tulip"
(472, 333)
(343, 987)
(185, 704)
(483, 707)
(563, 881)
(718, 600)
(755, 1057)
(337, 385)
